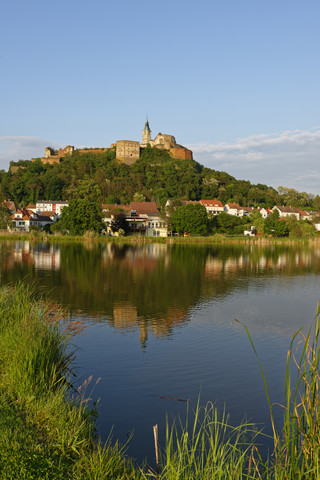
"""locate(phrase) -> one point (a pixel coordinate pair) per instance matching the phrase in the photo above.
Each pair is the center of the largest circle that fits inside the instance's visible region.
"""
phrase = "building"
(146, 134)
(127, 151)
(214, 207)
(287, 212)
(142, 217)
(55, 206)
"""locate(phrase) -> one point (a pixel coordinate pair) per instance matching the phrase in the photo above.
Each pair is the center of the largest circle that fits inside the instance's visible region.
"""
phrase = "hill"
(156, 176)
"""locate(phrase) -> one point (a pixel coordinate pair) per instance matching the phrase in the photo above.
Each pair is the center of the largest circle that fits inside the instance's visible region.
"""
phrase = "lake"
(160, 324)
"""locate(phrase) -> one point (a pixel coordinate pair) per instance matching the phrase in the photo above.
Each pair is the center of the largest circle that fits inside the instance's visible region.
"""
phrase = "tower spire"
(146, 133)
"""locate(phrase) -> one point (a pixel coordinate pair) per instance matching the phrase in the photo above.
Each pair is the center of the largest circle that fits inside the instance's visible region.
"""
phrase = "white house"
(234, 209)
(214, 207)
(287, 212)
(55, 206)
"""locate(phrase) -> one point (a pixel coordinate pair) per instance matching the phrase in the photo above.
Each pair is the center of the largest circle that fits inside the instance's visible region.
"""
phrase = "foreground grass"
(48, 432)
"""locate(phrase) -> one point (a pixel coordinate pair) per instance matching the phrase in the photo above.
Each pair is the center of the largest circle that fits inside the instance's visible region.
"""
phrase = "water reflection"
(161, 322)
(151, 289)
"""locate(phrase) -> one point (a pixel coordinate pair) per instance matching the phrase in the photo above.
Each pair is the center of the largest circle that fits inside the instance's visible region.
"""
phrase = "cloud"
(290, 158)
(21, 148)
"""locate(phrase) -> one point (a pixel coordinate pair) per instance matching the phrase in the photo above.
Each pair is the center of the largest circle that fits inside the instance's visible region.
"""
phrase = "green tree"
(119, 222)
(5, 216)
(84, 212)
(191, 219)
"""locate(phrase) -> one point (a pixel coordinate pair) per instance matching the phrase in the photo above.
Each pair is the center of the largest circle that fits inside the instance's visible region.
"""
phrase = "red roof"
(235, 205)
(211, 203)
(144, 207)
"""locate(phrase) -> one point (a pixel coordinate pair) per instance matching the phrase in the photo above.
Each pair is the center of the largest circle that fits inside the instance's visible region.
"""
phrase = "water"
(160, 323)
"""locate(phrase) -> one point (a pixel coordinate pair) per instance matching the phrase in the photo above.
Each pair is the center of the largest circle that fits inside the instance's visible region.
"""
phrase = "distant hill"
(156, 176)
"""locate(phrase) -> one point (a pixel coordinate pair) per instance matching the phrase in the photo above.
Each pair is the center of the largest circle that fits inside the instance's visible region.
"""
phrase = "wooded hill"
(156, 176)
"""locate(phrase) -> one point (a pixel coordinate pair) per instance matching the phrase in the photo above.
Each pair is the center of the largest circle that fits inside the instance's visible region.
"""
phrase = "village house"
(285, 211)
(265, 212)
(214, 207)
(23, 219)
(142, 217)
(55, 206)
(235, 209)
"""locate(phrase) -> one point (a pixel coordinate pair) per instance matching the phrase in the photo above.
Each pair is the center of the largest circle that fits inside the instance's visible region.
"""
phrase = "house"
(23, 219)
(252, 232)
(214, 207)
(285, 211)
(154, 224)
(234, 209)
(55, 206)
(265, 212)
(142, 217)
(304, 215)
(12, 206)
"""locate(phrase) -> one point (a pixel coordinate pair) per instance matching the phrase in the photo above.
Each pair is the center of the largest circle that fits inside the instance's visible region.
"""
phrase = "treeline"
(156, 176)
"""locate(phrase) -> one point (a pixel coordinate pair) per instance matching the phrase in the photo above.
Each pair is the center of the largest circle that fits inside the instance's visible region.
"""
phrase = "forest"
(156, 176)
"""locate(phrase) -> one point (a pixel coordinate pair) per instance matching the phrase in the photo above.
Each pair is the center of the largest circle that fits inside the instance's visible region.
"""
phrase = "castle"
(127, 151)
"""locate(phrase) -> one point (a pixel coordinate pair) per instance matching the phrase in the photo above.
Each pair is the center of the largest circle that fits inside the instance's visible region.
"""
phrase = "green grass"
(48, 432)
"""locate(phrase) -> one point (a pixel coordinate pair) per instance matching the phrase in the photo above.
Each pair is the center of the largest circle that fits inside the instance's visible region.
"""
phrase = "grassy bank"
(142, 240)
(48, 432)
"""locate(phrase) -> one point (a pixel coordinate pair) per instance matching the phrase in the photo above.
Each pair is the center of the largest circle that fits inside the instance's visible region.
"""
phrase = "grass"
(47, 430)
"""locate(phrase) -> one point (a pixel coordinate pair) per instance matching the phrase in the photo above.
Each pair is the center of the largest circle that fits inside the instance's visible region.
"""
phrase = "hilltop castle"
(127, 151)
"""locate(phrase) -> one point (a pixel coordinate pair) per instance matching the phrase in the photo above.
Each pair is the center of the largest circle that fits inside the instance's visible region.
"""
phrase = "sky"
(235, 81)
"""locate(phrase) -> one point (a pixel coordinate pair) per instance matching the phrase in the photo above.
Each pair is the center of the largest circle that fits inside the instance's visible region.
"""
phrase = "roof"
(47, 213)
(109, 207)
(144, 207)
(304, 213)
(12, 206)
(235, 205)
(211, 203)
(286, 209)
(57, 202)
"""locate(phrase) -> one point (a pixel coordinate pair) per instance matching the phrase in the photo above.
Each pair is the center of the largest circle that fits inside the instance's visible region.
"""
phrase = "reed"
(44, 423)
(296, 452)
(207, 446)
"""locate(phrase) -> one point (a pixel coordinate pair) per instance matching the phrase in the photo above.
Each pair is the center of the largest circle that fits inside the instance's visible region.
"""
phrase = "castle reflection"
(150, 289)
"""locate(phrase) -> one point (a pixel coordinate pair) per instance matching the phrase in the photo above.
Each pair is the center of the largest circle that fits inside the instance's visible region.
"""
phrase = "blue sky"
(237, 81)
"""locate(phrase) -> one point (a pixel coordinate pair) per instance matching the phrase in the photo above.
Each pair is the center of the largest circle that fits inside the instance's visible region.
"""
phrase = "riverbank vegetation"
(47, 430)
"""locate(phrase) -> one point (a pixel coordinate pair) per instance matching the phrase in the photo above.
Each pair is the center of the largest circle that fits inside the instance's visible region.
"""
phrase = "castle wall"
(181, 153)
(68, 150)
(93, 150)
(127, 151)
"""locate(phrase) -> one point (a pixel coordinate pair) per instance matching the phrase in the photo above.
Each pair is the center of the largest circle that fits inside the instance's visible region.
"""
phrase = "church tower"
(146, 134)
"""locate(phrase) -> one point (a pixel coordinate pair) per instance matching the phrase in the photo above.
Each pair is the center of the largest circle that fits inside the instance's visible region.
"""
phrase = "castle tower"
(146, 134)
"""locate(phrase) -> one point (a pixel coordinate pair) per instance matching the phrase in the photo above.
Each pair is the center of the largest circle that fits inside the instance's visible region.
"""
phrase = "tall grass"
(208, 447)
(296, 452)
(53, 423)
(47, 430)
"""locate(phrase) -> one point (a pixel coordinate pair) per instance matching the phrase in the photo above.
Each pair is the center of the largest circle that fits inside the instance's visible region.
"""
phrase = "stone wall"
(181, 153)
(128, 151)
(93, 150)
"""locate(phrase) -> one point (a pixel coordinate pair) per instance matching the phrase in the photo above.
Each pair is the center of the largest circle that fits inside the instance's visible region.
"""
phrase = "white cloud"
(290, 158)
(21, 148)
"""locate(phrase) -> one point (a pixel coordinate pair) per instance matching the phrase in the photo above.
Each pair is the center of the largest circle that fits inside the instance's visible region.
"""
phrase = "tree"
(191, 219)
(225, 223)
(119, 222)
(84, 212)
(5, 216)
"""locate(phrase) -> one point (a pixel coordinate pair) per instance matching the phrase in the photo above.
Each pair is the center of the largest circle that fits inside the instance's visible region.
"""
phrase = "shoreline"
(193, 240)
